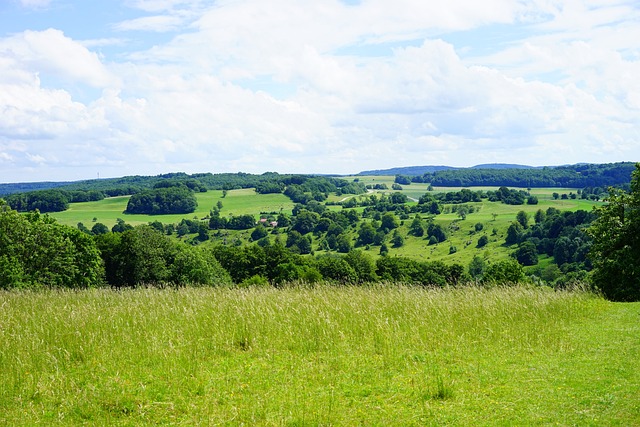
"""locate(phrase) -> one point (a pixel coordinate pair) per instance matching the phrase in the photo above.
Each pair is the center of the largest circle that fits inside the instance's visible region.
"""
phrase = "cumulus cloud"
(50, 51)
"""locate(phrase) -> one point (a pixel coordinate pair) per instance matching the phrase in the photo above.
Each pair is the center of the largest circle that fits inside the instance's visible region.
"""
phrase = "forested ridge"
(574, 176)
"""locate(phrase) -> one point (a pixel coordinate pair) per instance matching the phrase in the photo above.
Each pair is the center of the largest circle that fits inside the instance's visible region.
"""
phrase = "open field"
(325, 356)
(238, 202)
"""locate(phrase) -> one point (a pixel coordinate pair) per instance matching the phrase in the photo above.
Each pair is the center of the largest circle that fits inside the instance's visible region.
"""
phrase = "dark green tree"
(416, 228)
(476, 267)
(523, 218)
(526, 254)
(99, 228)
(514, 233)
(388, 221)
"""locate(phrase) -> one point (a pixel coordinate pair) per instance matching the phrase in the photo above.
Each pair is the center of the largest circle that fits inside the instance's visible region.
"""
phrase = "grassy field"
(324, 356)
(238, 202)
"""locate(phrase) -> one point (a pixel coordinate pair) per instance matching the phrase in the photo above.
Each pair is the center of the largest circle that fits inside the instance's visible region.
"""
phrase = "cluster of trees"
(163, 200)
(144, 256)
(561, 235)
(35, 251)
(54, 200)
(276, 265)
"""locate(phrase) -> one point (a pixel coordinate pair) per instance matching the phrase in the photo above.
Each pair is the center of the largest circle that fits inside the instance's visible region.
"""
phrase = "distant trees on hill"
(577, 176)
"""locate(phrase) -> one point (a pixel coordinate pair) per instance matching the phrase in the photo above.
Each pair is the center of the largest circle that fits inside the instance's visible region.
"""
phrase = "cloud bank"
(329, 87)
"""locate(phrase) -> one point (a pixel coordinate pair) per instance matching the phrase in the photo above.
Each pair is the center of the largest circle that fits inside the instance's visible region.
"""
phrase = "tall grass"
(382, 355)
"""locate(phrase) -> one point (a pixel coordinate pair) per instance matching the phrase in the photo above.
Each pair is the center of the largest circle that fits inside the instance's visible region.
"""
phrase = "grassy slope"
(330, 356)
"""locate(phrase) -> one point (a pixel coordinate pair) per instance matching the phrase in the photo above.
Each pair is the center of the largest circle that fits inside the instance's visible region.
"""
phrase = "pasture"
(237, 202)
(384, 355)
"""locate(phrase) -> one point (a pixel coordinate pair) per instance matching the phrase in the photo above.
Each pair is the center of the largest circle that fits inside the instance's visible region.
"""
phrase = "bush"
(504, 272)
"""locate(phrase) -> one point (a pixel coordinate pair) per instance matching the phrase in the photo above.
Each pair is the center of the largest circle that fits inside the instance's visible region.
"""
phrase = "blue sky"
(123, 87)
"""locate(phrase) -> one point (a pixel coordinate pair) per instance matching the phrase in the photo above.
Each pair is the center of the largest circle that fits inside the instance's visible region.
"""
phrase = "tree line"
(575, 176)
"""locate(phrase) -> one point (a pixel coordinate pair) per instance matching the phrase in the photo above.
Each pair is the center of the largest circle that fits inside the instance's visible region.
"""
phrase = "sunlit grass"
(384, 355)
(236, 202)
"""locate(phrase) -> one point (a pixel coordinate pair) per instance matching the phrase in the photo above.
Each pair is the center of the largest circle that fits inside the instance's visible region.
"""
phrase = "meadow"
(298, 356)
(237, 202)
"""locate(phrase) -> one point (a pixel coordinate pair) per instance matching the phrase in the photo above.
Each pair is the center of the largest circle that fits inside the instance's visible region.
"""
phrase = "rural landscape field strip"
(381, 355)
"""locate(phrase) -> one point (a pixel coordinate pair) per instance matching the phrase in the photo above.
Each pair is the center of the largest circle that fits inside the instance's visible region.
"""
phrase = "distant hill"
(421, 170)
(503, 166)
(23, 187)
(407, 170)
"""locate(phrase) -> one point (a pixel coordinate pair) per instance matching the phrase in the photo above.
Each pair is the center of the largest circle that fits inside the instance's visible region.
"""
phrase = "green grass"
(237, 202)
(324, 356)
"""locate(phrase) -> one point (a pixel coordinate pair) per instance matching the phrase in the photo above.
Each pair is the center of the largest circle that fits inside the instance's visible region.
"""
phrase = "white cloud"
(50, 51)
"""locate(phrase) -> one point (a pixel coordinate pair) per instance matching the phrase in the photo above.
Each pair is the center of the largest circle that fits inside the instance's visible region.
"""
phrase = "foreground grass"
(324, 356)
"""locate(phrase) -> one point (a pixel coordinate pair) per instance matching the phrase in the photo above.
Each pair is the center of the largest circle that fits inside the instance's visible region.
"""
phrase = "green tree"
(343, 243)
(139, 256)
(99, 228)
(523, 218)
(366, 234)
(388, 221)
(334, 267)
(476, 267)
(514, 233)
(195, 266)
(397, 240)
(507, 271)
(35, 251)
(416, 228)
(526, 254)
(615, 251)
(259, 232)
(363, 265)
(462, 211)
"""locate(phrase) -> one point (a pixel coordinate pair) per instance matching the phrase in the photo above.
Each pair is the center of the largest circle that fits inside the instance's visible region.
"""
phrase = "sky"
(110, 88)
